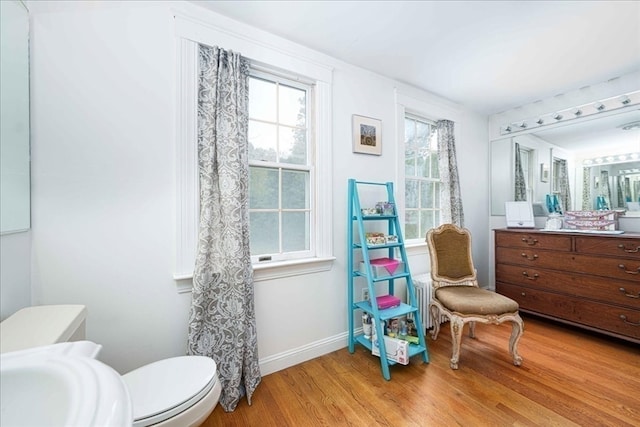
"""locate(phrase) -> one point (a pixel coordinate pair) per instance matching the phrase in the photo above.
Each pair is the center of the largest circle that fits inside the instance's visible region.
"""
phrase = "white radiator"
(422, 286)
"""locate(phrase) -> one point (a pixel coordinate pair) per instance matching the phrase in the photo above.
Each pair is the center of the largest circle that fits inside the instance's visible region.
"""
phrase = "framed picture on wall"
(544, 172)
(367, 135)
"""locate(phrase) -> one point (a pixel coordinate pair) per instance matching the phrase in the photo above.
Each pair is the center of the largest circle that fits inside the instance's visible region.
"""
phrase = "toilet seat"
(163, 389)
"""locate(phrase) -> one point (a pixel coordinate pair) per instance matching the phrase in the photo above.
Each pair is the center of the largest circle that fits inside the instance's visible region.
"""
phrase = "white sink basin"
(61, 385)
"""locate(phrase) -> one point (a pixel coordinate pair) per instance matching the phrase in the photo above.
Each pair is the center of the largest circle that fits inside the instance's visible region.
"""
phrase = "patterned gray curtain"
(605, 187)
(586, 189)
(521, 185)
(563, 184)
(451, 200)
(620, 192)
(222, 321)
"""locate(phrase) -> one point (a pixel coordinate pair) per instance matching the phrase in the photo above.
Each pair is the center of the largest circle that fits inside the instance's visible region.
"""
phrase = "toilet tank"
(42, 325)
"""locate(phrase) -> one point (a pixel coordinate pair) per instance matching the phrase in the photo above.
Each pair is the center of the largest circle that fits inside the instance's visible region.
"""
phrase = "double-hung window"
(422, 178)
(289, 134)
(281, 160)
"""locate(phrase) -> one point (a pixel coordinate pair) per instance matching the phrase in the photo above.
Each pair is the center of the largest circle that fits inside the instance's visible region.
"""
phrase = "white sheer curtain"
(450, 197)
(222, 320)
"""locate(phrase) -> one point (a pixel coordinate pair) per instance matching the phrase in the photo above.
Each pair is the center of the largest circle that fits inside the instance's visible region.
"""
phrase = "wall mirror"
(14, 120)
(599, 137)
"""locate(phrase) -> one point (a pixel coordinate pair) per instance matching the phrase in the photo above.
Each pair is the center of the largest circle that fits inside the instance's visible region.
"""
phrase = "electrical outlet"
(365, 294)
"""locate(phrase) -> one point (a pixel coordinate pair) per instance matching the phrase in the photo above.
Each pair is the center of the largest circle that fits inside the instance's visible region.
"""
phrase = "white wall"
(103, 185)
(15, 272)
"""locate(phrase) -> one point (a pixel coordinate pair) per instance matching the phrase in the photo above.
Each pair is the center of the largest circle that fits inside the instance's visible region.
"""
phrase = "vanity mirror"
(14, 120)
(607, 140)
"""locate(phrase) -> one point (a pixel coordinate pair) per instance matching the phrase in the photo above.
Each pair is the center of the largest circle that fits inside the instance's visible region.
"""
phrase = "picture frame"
(367, 135)
(544, 172)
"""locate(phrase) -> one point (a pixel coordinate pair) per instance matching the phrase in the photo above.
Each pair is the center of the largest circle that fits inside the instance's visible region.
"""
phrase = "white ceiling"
(490, 56)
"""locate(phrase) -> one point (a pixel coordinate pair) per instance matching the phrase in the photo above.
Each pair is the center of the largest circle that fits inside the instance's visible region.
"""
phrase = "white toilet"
(179, 391)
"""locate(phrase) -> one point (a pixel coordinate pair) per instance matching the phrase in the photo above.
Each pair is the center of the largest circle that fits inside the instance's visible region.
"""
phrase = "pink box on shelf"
(387, 301)
(382, 267)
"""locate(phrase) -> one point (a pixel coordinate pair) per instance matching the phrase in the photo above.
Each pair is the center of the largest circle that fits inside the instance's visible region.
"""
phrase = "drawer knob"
(630, 249)
(624, 319)
(534, 277)
(530, 240)
(627, 294)
(530, 258)
(622, 267)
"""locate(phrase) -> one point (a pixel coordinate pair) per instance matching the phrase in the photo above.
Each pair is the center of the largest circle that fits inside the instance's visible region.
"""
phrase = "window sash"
(277, 250)
(420, 216)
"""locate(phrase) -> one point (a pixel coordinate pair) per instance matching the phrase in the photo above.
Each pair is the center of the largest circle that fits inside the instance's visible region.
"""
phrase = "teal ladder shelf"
(356, 228)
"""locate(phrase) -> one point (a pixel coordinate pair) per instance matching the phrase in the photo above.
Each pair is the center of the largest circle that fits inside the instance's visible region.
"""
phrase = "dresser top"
(626, 234)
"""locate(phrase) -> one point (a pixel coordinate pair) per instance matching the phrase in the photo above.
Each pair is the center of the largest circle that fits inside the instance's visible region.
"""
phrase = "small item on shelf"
(403, 328)
(393, 328)
(385, 208)
(387, 301)
(411, 327)
(397, 350)
(375, 238)
(367, 325)
(410, 338)
(382, 267)
(391, 239)
(369, 211)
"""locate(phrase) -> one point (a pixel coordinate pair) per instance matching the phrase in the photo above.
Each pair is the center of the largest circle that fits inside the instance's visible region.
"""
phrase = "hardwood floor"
(569, 377)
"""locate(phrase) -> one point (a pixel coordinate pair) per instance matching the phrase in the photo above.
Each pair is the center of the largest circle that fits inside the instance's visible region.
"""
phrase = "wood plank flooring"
(569, 377)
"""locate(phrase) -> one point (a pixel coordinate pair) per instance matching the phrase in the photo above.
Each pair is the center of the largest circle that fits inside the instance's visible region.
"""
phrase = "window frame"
(412, 101)
(191, 31)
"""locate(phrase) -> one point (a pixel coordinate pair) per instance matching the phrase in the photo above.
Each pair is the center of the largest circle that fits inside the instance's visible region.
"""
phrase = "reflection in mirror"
(618, 184)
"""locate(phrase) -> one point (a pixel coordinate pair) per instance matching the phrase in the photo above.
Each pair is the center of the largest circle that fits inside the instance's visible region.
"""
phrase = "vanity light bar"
(609, 160)
(621, 101)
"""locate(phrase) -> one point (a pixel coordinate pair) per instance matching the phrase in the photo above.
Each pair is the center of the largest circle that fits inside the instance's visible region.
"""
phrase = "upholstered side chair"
(457, 296)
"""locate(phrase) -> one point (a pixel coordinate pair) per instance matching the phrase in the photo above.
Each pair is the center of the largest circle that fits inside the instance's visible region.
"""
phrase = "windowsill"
(271, 270)
(278, 269)
(417, 248)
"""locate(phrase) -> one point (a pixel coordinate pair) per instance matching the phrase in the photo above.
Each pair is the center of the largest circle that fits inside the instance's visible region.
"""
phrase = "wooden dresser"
(587, 280)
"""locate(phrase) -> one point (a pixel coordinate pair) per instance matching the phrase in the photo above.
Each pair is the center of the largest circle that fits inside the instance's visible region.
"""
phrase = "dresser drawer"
(538, 301)
(533, 240)
(623, 247)
(619, 321)
(617, 292)
(613, 268)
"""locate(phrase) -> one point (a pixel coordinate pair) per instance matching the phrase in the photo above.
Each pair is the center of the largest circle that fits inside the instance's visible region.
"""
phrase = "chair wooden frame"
(457, 320)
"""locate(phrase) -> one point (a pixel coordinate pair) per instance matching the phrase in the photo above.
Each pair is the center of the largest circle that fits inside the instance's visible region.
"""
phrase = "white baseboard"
(286, 359)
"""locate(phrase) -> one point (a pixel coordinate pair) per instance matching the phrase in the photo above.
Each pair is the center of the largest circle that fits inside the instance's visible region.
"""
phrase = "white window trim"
(189, 32)
(434, 111)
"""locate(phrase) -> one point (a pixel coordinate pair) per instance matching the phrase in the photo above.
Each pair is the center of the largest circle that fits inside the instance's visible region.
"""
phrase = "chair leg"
(472, 329)
(517, 329)
(434, 312)
(456, 339)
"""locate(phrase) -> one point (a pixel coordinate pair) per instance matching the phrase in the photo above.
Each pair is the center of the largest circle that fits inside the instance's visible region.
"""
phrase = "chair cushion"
(472, 300)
